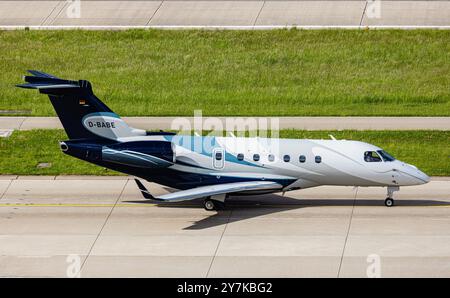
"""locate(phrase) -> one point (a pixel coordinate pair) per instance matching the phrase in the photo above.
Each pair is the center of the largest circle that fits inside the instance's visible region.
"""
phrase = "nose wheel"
(389, 202)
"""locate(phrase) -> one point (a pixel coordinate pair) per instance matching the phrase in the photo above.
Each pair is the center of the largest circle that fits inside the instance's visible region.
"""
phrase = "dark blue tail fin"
(82, 114)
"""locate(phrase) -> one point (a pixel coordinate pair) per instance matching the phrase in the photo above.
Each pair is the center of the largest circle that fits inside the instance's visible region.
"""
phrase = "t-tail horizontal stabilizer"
(49, 84)
(83, 115)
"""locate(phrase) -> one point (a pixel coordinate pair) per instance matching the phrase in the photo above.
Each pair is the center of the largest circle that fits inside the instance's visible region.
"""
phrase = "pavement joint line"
(6, 189)
(363, 13)
(218, 244)
(59, 12)
(21, 123)
(46, 18)
(153, 15)
(259, 12)
(348, 231)
(103, 226)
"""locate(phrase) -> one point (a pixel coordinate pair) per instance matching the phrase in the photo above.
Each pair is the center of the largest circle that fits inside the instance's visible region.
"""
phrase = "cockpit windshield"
(386, 156)
(371, 156)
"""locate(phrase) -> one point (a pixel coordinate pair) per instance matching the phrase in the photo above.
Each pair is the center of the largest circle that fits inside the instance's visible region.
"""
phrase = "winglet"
(145, 193)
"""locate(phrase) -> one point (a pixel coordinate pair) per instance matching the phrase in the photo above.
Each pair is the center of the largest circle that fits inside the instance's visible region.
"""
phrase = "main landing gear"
(211, 204)
(389, 202)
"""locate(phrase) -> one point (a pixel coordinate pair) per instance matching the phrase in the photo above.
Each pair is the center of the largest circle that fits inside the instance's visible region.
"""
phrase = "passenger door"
(218, 158)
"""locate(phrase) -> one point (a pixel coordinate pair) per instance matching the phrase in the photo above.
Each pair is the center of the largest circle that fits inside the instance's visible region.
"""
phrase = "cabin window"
(271, 157)
(318, 159)
(286, 158)
(386, 156)
(302, 158)
(219, 155)
(371, 156)
(256, 157)
(240, 156)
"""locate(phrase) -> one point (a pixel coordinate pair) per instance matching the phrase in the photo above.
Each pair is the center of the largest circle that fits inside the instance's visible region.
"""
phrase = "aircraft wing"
(210, 190)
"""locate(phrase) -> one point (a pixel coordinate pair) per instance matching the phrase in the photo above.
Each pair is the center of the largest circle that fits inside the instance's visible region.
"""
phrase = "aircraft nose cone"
(424, 177)
(420, 176)
(412, 175)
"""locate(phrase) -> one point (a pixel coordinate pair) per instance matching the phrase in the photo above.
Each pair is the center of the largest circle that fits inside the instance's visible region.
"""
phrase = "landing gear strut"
(389, 202)
(211, 205)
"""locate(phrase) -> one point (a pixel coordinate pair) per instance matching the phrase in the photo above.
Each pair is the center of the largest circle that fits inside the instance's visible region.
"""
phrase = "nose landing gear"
(389, 202)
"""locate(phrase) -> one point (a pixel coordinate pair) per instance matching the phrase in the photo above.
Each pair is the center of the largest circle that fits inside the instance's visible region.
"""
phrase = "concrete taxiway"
(224, 14)
(49, 226)
(305, 123)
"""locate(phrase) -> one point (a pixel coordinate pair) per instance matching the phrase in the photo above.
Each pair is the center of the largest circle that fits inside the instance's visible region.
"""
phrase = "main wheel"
(209, 205)
(389, 202)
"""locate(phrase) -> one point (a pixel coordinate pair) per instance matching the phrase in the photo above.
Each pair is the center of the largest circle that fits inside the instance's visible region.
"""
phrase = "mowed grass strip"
(237, 73)
(24, 150)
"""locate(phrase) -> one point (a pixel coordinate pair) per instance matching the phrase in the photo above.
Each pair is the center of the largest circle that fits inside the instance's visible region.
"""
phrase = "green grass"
(24, 150)
(280, 72)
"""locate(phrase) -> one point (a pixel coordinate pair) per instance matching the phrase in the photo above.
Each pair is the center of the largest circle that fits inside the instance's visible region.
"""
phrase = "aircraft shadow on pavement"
(247, 207)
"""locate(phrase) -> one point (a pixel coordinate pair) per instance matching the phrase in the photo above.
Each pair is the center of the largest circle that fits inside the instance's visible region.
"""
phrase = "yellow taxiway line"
(75, 205)
(121, 205)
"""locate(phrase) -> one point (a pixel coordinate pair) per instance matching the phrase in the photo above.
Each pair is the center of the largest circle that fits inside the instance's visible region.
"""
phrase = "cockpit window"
(386, 156)
(372, 156)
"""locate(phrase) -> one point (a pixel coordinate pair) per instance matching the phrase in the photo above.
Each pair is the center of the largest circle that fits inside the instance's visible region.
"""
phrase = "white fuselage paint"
(342, 162)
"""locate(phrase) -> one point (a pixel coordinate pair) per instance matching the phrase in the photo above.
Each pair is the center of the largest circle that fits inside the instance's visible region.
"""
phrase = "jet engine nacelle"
(141, 154)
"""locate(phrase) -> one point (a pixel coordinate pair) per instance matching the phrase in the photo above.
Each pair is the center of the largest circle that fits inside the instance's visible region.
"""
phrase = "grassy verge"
(24, 150)
(294, 72)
